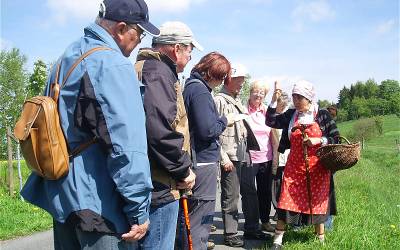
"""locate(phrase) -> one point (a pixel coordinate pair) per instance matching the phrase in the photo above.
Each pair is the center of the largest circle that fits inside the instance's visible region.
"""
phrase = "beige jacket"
(235, 133)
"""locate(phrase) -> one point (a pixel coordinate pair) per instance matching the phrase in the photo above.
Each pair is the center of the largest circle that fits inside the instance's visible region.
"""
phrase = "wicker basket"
(336, 157)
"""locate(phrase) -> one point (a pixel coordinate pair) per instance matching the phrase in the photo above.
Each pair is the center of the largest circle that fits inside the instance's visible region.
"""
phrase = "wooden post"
(10, 164)
(363, 143)
(19, 171)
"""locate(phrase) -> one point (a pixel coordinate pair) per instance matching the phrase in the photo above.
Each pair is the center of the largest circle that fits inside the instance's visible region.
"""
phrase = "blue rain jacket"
(112, 177)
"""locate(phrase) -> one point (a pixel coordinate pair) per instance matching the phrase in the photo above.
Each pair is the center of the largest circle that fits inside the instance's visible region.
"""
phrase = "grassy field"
(368, 199)
(19, 218)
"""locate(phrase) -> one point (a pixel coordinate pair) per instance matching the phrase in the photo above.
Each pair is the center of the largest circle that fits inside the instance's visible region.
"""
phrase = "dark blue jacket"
(205, 124)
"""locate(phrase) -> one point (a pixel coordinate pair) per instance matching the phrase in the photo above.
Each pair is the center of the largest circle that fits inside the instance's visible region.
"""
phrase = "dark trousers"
(67, 237)
(201, 206)
(264, 192)
(201, 214)
(240, 180)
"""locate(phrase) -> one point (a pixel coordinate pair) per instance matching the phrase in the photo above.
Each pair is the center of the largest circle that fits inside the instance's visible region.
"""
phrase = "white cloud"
(5, 44)
(171, 5)
(314, 11)
(62, 11)
(385, 27)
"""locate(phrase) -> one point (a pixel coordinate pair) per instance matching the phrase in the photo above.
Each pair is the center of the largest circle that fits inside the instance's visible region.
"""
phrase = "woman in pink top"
(262, 160)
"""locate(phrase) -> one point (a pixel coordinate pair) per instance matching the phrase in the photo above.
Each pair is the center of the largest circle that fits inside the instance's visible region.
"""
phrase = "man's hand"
(228, 167)
(188, 182)
(137, 232)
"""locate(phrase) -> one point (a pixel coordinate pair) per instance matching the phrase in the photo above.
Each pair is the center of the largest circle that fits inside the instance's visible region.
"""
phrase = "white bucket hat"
(238, 70)
(305, 89)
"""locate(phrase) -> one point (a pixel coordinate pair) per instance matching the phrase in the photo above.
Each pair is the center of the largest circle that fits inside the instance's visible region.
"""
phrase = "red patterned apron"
(294, 195)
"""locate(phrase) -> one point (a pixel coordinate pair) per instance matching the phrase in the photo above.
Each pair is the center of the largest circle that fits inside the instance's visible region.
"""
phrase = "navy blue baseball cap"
(130, 12)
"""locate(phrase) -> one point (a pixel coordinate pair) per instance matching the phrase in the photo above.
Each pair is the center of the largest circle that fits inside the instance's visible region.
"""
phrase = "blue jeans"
(162, 229)
(67, 237)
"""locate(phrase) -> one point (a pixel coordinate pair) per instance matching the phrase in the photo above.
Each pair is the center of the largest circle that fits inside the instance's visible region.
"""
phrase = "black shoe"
(233, 241)
(256, 235)
(276, 247)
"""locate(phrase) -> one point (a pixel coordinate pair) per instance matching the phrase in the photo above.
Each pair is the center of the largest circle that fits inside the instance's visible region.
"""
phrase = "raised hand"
(277, 91)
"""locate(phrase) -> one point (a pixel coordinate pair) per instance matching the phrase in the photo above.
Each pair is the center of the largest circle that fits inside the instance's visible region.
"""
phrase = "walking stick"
(184, 202)
(302, 128)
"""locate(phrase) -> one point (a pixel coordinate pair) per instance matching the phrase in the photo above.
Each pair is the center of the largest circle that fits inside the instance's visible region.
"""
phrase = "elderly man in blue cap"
(103, 202)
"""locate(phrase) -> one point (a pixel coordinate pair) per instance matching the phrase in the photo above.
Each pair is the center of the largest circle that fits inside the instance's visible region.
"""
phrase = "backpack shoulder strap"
(55, 87)
(86, 54)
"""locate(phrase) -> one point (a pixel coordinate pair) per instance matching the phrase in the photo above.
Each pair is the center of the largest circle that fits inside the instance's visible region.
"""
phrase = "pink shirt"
(262, 133)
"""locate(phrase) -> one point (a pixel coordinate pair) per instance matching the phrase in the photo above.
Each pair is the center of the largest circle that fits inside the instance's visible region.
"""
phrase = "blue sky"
(330, 43)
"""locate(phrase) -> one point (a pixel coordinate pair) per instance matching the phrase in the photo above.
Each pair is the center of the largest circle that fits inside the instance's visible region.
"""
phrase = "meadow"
(368, 199)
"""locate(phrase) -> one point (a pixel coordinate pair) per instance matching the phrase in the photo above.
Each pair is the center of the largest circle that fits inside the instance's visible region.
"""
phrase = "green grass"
(368, 199)
(18, 218)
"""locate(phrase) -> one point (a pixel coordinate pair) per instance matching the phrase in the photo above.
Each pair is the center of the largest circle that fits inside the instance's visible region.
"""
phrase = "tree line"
(362, 99)
(16, 85)
(368, 99)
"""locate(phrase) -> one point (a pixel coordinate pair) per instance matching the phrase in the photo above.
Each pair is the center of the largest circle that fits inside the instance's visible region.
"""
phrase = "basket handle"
(342, 137)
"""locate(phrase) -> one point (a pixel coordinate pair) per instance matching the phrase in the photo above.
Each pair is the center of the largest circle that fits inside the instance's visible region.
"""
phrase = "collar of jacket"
(235, 101)
(152, 54)
(196, 75)
(97, 32)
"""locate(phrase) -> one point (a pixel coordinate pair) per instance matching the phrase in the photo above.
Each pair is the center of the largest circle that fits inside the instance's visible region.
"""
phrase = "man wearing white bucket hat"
(236, 174)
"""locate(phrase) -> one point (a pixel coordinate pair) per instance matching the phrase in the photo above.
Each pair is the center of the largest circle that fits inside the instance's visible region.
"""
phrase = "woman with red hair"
(205, 127)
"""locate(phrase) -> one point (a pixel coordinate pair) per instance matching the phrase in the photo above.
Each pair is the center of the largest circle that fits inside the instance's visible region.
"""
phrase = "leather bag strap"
(55, 87)
(82, 147)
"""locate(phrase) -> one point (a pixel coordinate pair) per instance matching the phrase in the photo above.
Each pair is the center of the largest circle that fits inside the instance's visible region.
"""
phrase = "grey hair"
(105, 23)
(259, 84)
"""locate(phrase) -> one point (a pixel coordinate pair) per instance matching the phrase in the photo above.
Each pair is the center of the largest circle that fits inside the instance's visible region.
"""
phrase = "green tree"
(324, 103)
(357, 90)
(13, 81)
(359, 108)
(344, 98)
(245, 92)
(371, 89)
(37, 79)
(389, 88)
(378, 106)
(342, 115)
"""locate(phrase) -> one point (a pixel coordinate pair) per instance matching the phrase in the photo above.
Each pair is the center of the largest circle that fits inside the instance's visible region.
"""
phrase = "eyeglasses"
(139, 31)
(187, 50)
(259, 93)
